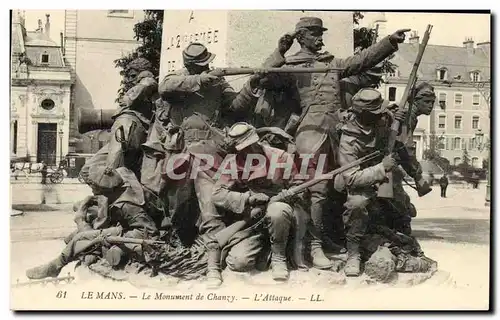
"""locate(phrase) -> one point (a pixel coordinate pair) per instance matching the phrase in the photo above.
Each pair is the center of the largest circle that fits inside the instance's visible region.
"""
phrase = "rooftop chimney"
(47, 25)
(414, 38)
(40, 28)
(469, 44)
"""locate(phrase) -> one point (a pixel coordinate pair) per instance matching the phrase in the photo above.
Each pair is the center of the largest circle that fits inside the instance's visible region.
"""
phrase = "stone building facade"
(40, 94)
(461, 77)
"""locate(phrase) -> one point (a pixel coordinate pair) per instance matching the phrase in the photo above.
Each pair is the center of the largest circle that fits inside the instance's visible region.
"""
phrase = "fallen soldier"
(125, 217)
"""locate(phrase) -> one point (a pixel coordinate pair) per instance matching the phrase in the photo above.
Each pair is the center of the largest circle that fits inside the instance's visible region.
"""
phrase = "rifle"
(329, 175)
(117, 240)
(385, 189)
(223, 72)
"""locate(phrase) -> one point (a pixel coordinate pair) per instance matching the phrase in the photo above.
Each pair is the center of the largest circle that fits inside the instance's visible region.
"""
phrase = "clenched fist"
(285, 43)
(398, 36)
(400, 115)
(258, 198)
(389, 163)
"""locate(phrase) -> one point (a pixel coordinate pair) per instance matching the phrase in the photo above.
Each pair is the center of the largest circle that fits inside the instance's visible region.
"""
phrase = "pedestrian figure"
(443, 183)
(44, 172)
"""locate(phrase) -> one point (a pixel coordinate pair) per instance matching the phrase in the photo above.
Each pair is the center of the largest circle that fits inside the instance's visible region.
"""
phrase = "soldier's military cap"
(369, 100)
(196, 53)
(104, 178)
(243, 135)
(424, 90)
(309, 23)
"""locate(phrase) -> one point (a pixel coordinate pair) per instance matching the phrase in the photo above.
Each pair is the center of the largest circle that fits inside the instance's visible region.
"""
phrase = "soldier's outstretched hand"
(389, 163)
(399, 36)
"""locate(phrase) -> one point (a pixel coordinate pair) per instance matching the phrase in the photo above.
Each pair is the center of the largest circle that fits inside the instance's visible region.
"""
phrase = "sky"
(448, 28)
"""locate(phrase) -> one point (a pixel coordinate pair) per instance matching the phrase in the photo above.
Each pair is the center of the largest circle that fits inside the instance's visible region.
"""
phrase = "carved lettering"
(205, 37)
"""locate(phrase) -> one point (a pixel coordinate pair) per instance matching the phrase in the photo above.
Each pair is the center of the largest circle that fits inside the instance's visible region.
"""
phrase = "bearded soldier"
(124, 216)
(131, 122)
(320, 98)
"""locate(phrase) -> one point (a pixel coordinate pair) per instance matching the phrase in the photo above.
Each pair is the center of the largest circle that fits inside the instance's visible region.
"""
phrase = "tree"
(149, 34)
(363, 38)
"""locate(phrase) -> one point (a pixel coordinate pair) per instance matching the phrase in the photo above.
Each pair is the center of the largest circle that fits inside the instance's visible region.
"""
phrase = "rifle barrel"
(330, 175)
(221, 72)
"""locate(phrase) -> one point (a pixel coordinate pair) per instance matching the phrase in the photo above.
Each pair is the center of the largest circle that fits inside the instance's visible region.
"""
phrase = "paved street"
(454, 231)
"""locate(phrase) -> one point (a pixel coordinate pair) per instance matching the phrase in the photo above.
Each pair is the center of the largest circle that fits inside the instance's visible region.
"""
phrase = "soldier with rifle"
(131, 122)
(199, 101)
(125, 216)
(363, 132)
(320, 99)
(422, 100)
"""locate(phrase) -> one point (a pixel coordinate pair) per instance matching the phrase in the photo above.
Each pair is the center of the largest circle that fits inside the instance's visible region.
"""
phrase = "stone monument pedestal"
(245, 38)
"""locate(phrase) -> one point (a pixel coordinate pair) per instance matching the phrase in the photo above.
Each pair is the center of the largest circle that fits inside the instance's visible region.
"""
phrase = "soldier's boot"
(279, 267)
(51, 269)
(332, 247)
(353, 264)
(214, 276)
(319, 259)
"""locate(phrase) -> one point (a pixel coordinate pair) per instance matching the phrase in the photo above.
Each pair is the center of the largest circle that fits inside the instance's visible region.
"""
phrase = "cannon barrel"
(95, 119)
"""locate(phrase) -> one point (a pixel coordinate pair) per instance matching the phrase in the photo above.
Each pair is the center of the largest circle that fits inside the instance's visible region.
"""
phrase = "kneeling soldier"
(250, 192)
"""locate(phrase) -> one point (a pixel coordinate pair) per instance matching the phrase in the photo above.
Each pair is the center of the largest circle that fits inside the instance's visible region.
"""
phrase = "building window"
(121, 13)
(458, 99)
(442, 74)
(472, 143)
(475, 122)
(442, 100)
(45, 58)
(442, 122)
(47, 104)
(475, 99)
(475, 77)
(456, 144)
(475, 162)
(458, 122)
(457, 161)
(392, 94)
(441, 143)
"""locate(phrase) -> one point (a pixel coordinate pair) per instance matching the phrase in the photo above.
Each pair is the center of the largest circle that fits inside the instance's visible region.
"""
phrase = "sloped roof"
(35, 38)
(457, 60)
